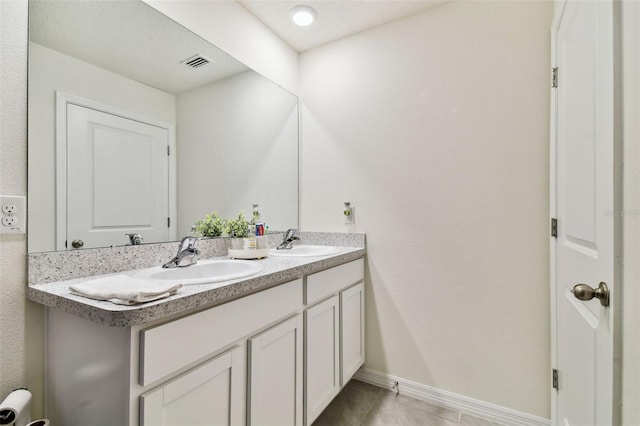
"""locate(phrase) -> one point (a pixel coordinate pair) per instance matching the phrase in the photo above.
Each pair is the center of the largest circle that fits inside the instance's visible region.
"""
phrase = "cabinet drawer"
(177, 344)
(324, 283)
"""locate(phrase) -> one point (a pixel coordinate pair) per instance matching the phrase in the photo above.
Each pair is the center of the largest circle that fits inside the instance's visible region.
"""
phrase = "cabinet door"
(210, 394)
(275, 375)
(322, 356)
(351, 330)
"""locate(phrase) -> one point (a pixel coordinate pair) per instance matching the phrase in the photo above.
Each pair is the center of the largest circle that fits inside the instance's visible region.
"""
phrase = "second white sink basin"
(305, 251)
(203, 272)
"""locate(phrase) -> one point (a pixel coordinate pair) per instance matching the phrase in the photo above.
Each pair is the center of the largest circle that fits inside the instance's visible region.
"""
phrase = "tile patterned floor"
(362, 404)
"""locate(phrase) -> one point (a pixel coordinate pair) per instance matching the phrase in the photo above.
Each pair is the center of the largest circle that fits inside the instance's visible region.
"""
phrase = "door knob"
(77, 243)
(584, 292)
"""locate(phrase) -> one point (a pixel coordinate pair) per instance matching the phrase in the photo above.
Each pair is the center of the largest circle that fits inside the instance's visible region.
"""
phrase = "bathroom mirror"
(137, 125)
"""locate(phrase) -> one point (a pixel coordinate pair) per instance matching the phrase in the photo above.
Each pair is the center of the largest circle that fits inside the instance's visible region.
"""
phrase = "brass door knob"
(77, 243)
(584, 292)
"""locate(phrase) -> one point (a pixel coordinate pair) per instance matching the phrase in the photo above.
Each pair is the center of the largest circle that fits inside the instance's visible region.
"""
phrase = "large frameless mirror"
(137, 125)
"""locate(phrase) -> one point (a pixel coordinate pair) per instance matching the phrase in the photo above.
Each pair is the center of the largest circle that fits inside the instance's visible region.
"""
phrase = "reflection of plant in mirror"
(211, 226)
(237, 228)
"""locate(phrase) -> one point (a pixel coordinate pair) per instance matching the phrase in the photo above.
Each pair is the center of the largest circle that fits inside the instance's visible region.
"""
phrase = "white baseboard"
(450, 400)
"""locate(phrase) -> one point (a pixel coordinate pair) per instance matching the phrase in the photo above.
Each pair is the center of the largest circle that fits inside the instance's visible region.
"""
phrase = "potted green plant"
(211, 226)
(237, 229)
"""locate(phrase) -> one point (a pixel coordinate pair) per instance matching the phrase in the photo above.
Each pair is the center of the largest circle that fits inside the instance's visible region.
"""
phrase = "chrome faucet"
(186, 250)
(134, 239)
(289, 237)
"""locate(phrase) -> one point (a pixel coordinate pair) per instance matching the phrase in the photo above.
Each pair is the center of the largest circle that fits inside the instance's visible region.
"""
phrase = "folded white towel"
(124, 290)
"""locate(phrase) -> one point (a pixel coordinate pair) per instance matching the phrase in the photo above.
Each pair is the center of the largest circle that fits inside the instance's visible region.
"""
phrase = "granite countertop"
(277, 270)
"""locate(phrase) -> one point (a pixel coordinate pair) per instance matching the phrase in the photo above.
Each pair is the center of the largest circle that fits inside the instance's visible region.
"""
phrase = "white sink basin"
(305, 251)
(203, 272)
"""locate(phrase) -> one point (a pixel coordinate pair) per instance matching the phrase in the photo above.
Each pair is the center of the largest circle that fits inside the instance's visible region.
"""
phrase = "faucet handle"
(290, 233)
(134, 239)
(188, 242)
(289, 237)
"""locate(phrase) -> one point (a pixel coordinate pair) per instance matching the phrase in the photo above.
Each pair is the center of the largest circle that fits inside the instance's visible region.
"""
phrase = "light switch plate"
(13, 213)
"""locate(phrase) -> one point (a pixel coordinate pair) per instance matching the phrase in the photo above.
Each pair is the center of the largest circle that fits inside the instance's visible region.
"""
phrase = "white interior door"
(117, 178)
(585, 201)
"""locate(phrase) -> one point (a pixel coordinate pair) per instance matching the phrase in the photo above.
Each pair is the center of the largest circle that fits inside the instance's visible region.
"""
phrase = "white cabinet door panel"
(351, 331)
(211, 394)
(275, 375)
(322, 353)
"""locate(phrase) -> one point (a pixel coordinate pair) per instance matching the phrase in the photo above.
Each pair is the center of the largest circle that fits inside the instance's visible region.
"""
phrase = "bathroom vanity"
(272, 349)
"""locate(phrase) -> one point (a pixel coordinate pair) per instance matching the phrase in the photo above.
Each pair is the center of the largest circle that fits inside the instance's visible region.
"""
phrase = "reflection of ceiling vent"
(196, 61)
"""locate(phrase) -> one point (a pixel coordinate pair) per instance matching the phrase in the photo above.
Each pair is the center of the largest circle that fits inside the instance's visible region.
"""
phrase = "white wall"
(21, 322)
(238, 145)
(50, 71)
(435, 127)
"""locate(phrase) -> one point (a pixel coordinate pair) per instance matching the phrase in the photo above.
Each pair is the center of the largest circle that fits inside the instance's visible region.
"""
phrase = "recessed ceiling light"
(303, 15)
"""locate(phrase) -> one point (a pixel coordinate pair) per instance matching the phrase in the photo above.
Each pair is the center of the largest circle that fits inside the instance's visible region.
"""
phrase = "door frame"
(631, 194)
(616, 299)
(62, 100)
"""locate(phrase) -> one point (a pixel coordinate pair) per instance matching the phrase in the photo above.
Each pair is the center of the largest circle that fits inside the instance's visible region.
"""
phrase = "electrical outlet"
(9, 208)
(13, 210)
(9, 221)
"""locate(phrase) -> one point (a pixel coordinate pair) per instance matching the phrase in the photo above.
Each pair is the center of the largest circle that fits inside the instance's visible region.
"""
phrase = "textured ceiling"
(129, 38)
(336, 18)
(132, 39)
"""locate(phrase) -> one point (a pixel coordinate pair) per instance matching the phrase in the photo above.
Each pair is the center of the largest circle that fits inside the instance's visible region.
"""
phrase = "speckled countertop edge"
(277, 270)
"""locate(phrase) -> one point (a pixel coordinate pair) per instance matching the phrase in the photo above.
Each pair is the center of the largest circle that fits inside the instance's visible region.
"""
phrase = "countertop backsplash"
(66, 265)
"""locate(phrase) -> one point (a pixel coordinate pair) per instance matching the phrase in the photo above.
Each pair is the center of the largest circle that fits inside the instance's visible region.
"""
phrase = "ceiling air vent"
(196, 61)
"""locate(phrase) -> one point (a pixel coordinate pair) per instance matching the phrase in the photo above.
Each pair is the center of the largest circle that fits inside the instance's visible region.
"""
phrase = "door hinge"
(554, 77)
(168, 149)
(168, 222)
(555, 379)
(65, 244)
(554, 227)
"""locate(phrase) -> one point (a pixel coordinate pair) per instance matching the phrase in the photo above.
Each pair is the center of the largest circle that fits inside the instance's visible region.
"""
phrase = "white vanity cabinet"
(334, 333)
(274, 357)
(171, 346)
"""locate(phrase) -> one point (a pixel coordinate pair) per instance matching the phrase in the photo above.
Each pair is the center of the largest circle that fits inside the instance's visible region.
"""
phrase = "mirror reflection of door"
(119, 181)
